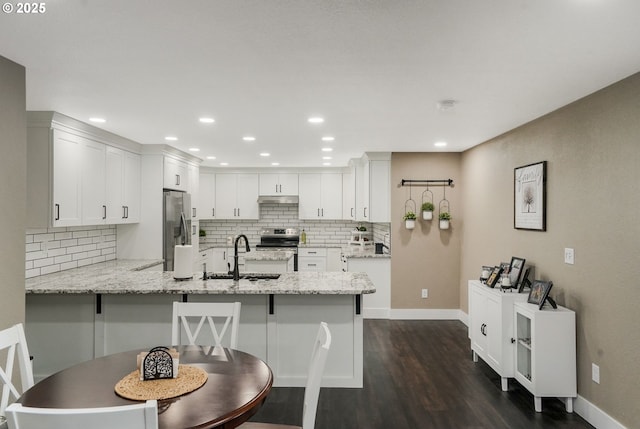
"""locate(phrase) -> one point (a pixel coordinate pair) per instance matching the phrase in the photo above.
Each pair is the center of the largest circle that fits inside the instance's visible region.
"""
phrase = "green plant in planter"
(427, 207)
(445, 216)
(409, 216)
(203, 233)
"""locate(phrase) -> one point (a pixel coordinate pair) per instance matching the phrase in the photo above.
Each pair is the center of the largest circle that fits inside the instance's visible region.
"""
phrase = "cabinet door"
(225, 196)
(193, 188)
(362, 191)
(67, 176)
(379, 191)
(477, 316)
(288, 184)
(131, 187)
(331, 196)
(349, 195)
(309, 202)
(494, 333)
(247, 196)
(175, 174)
(93, 183)
(269, 184)
(115, 162)
(207, 196)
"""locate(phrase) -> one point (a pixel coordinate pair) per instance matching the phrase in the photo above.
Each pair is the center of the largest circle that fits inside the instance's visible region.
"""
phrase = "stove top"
(279, 237)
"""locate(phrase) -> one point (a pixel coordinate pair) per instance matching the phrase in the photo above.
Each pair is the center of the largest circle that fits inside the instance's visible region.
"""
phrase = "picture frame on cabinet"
(525, 283)
(494, 277)
(529, 197)
(539, 293)
(515, 270)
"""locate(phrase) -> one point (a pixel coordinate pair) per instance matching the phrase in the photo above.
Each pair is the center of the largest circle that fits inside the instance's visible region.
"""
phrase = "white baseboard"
(424, 314)
(375, 313)
(594, 415)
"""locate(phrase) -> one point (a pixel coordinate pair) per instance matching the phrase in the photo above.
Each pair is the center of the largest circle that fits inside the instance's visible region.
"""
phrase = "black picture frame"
(515, 270)
(530, 197)
(494, 277)
(539, 293)
(525, 283)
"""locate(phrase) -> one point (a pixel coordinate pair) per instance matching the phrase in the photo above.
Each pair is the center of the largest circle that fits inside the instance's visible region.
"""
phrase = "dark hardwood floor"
(419, 374)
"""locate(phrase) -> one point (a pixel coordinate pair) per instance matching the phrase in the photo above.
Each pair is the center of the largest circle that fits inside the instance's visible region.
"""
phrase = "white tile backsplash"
(57, 249)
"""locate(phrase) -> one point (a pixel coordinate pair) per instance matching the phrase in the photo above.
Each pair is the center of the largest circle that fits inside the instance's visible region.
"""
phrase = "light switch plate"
(595, 373)
(569, 256)
(425, 293)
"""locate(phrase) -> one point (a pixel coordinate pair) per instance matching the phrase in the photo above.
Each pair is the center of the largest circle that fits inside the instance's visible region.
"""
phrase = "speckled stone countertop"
(126, 277)
(355, 252)
(268, 255)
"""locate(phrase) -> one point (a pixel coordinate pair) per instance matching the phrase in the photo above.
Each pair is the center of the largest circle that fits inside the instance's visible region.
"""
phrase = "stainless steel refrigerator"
(176, 221)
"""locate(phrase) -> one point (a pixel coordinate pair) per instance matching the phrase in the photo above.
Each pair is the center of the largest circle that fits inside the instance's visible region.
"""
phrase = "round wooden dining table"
(237, 386)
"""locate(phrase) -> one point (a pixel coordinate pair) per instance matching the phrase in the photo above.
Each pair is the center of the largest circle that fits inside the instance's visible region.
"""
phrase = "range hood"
(278, 199)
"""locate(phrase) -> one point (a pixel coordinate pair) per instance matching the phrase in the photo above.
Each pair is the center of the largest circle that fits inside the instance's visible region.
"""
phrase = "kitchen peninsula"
(121, 305)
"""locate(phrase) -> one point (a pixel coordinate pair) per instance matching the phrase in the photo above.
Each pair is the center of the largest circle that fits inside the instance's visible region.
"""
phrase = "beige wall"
(593, 177)
(13, 138)
(425, 257)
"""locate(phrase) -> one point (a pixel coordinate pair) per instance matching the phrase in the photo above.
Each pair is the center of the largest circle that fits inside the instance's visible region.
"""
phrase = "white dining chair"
(184, 312)
(14, 344)
(312, 388)
(136, 416)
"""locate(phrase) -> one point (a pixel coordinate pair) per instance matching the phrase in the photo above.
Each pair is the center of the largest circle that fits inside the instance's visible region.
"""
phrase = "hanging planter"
(427, 205)
(409, 212)
(445, 218)
(409, 220)
(444, 214)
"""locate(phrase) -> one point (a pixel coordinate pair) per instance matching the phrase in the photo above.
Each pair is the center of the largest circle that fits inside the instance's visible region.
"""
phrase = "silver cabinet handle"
(104, 212)
(194, 212)
(213, 212)
(351, 211)
(177, 179)
(124, 212)
(365, 212)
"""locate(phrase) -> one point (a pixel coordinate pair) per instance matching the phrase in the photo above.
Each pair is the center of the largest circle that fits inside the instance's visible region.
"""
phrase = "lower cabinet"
(545, 352)
(491, 327)
(312, 259)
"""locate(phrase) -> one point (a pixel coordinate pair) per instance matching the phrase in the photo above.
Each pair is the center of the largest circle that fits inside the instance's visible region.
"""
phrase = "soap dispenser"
(303, 237)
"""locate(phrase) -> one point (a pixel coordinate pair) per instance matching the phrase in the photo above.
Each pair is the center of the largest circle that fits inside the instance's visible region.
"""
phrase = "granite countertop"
(356, 252)
(269, 255)
(126, 277)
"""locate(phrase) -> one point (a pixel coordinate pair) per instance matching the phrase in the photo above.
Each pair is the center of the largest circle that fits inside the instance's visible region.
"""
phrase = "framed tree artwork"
(529, 197)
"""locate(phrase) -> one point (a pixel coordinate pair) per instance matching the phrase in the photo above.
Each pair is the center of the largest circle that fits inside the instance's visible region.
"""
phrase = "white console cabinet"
(491, 327)
(545, 352)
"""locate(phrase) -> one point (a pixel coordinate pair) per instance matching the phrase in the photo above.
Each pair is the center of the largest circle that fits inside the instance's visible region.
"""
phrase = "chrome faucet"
(236, 271)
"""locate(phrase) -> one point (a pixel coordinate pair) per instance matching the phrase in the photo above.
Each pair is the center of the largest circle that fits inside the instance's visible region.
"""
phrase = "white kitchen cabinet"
(278, 184)
(312, 259)
(373, 188)
(193, 188)
(94, 208)
(207, 196)
(491, 327)
(175, 174)
(320, 196)
(122, 186)
(334, 259)
(374, 305)
(236, 196)
(66, 176)
(349, 193)
(545, 352)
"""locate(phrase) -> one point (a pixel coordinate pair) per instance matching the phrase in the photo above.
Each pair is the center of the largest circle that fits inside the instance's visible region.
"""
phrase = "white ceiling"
(373, 69)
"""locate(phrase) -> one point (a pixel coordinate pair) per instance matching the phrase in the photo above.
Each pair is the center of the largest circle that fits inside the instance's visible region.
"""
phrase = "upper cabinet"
(207, 196)
(278, 184)
(349, 193)
(74, 178)
(175, 174)
(236, 196)
(320, 196)
(373, 188)
(122, 186)
(193, 175)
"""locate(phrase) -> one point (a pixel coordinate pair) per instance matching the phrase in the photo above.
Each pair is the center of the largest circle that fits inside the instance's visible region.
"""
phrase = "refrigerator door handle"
(183, 229)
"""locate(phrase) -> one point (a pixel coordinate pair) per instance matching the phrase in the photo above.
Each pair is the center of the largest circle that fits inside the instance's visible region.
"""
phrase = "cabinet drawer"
(311, 251)
(311, 263)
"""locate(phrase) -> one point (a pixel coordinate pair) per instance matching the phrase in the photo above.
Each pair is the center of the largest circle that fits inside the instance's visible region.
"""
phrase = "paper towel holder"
(182, 268)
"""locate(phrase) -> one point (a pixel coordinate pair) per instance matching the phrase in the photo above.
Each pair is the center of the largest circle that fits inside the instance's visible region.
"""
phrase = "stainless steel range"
(280, 239)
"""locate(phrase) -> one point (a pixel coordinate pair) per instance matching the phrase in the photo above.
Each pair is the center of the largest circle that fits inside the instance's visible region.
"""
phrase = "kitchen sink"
(245, 276)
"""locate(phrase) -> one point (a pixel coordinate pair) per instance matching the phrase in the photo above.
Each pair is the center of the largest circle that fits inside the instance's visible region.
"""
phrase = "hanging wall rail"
(429, 182)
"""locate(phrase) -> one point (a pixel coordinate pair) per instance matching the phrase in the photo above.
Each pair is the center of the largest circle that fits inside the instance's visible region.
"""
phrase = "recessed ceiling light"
(224, 164)
(249, 138)
(327, 149)
(326, 157)
(194, 149)
(265, 154)
(326, 164)
(440, 144)
(315, 120)
(207, 120)
(275, 163)
(98, 120)
(171, 138)
(328, 139)
(211, 157)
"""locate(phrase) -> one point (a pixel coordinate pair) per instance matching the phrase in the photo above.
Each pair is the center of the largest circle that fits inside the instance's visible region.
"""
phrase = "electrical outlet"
(569, 257)
(425, 293)
(595, 373)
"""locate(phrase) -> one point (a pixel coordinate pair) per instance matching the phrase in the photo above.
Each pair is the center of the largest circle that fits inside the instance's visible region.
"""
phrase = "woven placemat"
(189, 379)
